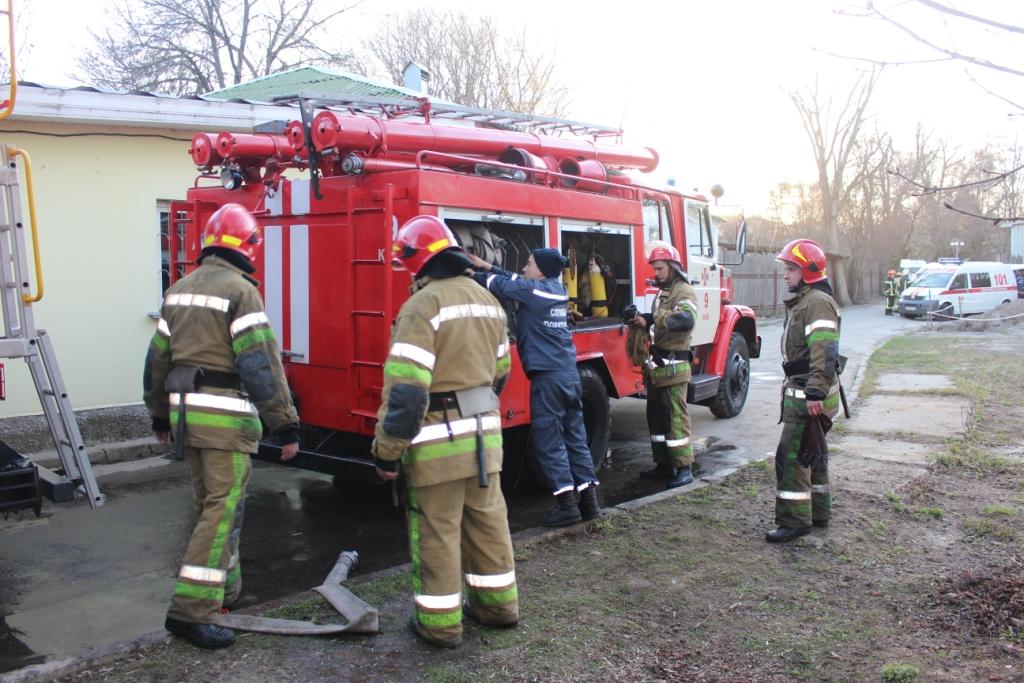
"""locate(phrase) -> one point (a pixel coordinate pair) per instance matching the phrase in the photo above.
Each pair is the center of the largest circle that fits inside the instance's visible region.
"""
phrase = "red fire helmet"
(419, 240)
(808, 256)
(663, 251)
(233, 227)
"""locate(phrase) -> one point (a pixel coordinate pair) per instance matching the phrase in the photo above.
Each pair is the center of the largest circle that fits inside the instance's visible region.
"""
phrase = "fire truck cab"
(331, 292)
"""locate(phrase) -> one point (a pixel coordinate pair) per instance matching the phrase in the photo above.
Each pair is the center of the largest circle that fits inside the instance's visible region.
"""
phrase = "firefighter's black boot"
(565, 512)
(785, 534)
(681, 476)
(209, 636)
(590, 508)
(662, 470)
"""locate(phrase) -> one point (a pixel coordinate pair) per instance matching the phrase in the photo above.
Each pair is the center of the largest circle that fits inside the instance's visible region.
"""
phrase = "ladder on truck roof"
(21, 339)
(397, 107)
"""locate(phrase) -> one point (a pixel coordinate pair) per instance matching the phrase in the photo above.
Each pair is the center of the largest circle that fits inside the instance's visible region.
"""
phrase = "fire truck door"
(704, 273)
(286, 287)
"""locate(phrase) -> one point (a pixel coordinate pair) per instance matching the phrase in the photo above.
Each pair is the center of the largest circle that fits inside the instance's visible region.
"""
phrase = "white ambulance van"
(965, 289)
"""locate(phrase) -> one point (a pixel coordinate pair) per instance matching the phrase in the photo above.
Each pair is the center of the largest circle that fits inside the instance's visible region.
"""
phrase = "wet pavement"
(77, 578)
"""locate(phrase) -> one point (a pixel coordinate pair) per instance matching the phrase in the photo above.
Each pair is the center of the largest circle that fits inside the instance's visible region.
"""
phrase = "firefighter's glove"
(287, 435)
(385, 465)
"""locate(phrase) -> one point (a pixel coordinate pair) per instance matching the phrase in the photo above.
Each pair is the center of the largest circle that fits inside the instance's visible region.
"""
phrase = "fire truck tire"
(732, 390)
(597, 413)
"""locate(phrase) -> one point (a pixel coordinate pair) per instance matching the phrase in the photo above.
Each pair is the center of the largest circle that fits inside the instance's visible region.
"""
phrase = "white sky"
(703, 82)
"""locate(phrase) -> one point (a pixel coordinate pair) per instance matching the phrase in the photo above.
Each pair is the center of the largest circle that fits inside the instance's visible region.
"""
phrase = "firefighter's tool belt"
(475, 402)
(181, 380)
(802, 367)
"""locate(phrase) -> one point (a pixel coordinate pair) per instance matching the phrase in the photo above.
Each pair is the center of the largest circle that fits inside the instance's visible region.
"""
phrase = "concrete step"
(108, 453)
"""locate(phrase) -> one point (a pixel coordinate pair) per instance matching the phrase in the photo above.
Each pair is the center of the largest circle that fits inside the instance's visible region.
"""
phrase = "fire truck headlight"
(230, 178)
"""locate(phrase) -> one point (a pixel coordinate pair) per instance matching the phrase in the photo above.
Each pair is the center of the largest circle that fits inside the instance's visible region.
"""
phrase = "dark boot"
(784, 534)
(447, 643)
(662, 470)
(470, 612)
(590, 508)
(681, 476)
(823, 523)
(565, 512)
(209, 636)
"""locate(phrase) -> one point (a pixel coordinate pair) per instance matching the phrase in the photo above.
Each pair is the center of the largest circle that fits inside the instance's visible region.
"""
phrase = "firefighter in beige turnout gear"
(667, 368)
(448, 360)
(214, 360)
(810, 395)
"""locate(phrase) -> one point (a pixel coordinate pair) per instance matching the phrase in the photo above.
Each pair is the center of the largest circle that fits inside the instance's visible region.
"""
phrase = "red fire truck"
(332, 188)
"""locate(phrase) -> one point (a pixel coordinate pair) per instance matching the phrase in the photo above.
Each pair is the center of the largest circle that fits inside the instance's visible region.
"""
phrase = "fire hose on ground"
(360, 616)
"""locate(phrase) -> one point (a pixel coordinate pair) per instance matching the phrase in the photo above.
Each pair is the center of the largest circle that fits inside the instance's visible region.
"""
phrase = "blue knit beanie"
(549, 261)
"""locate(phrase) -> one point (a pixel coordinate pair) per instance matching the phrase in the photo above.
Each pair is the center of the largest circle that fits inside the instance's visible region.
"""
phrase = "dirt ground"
(922, 581)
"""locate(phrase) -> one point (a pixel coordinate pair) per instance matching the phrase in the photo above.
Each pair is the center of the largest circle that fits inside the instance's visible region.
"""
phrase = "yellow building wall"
(97, 193)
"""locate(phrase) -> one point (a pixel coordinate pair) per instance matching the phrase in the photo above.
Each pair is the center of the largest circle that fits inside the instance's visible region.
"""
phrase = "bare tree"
(941, 42)
(195, 46)
(471, 61)
(833, 142)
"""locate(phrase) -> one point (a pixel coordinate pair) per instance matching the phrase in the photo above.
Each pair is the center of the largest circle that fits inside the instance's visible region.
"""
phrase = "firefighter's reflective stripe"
(191, 572)
(584, 485)
(415, 353)
(677, 443)
(459, 311)
(233, 405)
(820, 325)
(502, 350)
(657, 438)
(249, 320)
(794, 495)
(688, 305)
(200, 300)
(162, 328)
(564, 489)
(458, 427)
(795, 393)
(820, 488)
(549, 295)
(492, 589)
(491, 580)
(439, 601)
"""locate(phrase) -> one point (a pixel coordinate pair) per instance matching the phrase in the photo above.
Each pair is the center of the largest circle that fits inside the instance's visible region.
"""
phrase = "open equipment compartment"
(602, 296)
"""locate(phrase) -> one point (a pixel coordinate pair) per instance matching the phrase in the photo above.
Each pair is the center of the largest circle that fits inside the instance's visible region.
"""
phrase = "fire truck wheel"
(732, 390)
(597, 413)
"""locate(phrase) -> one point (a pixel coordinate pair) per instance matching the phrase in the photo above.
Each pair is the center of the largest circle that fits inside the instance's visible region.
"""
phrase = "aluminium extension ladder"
(21, 339)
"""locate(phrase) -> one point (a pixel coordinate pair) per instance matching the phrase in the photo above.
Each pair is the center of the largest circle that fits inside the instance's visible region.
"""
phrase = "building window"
(163, 212)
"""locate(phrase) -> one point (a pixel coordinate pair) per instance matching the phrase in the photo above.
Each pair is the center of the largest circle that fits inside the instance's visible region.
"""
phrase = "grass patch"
(897, 503)
(384, 588)
(759, 466)
(980, 527)
(900, 673)
(315, 609)
(998, 510)
(928, 513)
(446, 673)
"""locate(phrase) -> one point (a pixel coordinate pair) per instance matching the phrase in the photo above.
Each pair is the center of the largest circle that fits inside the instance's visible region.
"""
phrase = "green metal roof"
(308, 79)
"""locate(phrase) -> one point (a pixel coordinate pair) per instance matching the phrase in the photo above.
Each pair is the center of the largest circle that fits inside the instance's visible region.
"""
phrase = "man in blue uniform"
(548, 355)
